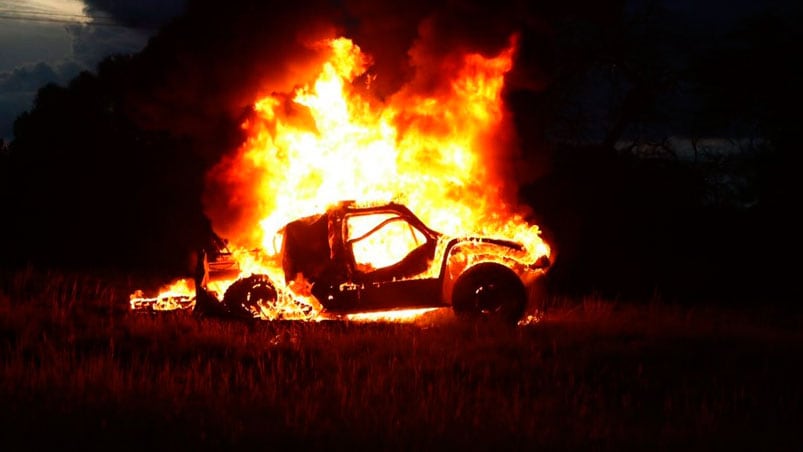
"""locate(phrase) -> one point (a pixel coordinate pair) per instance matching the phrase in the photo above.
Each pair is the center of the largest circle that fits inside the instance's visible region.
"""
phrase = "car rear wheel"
(244, 297)
(489, 291)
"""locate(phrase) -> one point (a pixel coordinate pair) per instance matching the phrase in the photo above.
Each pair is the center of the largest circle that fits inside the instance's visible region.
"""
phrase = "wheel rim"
(244, 297)
(490, 291)
(491, 298)
(261, 293)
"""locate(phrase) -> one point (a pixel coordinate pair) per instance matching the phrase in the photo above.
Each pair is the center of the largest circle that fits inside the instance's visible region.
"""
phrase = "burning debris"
(175, 296)
(436, 153)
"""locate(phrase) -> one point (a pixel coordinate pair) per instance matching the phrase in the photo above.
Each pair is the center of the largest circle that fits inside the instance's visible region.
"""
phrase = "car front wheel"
(489, 291)
(244, 297)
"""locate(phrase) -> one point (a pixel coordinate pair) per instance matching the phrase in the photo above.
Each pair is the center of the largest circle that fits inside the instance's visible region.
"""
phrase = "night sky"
(44, 41)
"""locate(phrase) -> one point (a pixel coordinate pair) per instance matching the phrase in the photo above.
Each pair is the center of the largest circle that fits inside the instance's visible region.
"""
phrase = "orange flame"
(435, 153)
(179, 294)
(445, 154)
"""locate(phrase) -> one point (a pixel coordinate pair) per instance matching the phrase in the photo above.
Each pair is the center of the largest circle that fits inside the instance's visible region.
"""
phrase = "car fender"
(460, 254)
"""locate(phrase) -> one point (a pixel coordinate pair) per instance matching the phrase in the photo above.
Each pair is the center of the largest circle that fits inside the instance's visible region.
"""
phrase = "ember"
(329, 140)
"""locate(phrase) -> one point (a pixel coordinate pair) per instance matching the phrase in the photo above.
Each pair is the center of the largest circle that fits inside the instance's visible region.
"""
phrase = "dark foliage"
(631, 227)
(84, 187)
(750, 84)
(715, 225)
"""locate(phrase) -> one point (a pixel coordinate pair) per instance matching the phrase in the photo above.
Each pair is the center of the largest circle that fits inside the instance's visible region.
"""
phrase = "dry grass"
(77, 369)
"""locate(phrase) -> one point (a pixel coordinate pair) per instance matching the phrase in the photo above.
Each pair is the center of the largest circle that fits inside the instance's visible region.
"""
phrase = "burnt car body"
(334, 253)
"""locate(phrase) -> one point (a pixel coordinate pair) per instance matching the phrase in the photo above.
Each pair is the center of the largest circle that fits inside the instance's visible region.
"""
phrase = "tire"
(489, 291)
(243, 297)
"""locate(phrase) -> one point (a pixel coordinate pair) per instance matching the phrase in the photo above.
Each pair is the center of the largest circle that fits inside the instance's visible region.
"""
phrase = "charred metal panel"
(387, 295)
(305, 248)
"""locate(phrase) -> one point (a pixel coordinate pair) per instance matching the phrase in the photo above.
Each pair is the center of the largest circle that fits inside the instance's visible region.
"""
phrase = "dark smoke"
(201, 74)
(205, 70)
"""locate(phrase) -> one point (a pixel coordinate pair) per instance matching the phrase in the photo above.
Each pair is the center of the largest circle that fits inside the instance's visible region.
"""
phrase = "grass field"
(77, 370)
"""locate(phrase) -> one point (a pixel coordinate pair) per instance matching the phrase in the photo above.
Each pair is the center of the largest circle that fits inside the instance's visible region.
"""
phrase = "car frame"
(476, 276)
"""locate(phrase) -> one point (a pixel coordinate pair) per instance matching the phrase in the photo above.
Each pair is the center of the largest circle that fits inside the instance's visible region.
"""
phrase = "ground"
(77, 368)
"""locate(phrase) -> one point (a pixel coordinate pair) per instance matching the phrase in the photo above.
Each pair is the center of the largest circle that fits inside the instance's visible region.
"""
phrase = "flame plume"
(327, 141)
(445, 153)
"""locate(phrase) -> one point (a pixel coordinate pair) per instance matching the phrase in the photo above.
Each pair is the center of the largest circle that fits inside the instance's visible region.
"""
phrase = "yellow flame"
(328, 141)
(179, 294)
(430, 152)
(399, 315)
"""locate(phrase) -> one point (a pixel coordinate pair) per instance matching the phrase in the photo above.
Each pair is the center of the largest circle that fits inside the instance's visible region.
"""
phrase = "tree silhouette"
(750, 85)
(87, 188)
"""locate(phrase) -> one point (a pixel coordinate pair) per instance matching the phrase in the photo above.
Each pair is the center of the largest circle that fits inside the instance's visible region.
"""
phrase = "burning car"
(363, 258)
(448, 152)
